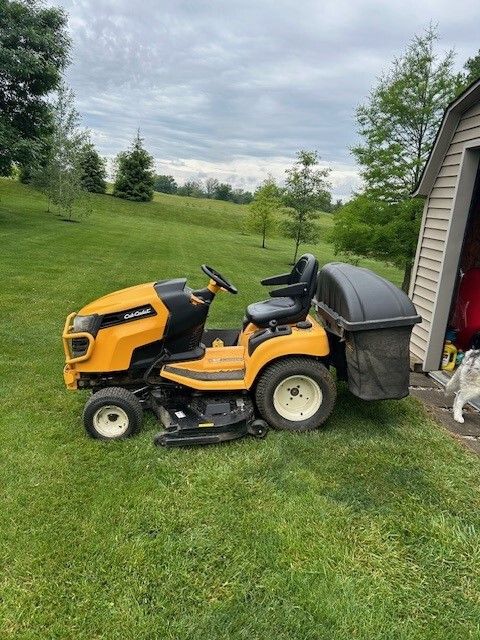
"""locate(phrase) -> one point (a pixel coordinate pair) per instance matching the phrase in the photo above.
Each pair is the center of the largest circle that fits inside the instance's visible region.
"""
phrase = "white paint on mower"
(297, 398)
(110, 421)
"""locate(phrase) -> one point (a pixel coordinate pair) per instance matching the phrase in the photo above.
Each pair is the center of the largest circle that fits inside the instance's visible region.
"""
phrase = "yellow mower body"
(110, 351)
(112, 347)
(147, 347)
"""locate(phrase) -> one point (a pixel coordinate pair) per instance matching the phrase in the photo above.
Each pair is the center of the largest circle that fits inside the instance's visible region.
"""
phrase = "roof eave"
(448, 126)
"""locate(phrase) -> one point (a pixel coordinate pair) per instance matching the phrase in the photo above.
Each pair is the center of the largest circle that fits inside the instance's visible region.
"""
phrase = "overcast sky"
(234, 88)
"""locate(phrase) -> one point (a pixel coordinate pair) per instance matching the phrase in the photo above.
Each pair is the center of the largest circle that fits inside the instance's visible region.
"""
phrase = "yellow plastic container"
(449, 356)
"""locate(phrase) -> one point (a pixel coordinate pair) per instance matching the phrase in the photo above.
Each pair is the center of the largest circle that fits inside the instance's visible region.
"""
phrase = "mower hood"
(120, 300)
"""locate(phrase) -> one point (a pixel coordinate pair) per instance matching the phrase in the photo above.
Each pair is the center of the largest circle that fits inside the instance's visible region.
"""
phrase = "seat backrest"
(305, 270)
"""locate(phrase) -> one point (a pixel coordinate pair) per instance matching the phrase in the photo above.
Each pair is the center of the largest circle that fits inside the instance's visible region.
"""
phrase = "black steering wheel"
(219, 279)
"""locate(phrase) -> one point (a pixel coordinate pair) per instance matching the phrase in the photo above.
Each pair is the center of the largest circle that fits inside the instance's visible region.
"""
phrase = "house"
(449, 241)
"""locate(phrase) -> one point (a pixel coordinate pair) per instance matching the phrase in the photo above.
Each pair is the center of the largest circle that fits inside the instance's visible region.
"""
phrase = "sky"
(232, 89)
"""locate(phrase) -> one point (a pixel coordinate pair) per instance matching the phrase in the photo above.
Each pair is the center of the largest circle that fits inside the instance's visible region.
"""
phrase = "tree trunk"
(295, 254)
(407, 275)
(297, 244)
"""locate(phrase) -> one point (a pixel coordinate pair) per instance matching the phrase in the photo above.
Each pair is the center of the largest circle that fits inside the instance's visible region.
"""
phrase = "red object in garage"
(467, 309)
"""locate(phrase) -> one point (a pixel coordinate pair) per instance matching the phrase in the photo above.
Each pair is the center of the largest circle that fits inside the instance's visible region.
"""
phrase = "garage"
(445, 284)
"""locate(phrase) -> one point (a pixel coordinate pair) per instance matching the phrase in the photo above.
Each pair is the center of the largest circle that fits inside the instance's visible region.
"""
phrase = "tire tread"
(289, 366)
(129, 402)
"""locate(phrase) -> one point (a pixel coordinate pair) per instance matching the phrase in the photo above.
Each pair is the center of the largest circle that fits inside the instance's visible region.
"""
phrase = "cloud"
(234, 89)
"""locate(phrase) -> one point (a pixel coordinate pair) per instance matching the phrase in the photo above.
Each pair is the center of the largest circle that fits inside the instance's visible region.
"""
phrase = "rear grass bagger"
(146, 347)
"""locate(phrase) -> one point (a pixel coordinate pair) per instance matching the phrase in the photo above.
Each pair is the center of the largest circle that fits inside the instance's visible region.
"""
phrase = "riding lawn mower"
(146, 347)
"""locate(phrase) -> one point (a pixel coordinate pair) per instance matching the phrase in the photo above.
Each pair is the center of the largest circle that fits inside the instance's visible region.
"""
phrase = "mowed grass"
(366, 529)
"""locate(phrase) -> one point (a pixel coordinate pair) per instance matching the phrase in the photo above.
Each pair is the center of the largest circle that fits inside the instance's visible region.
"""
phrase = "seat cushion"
(279, 309)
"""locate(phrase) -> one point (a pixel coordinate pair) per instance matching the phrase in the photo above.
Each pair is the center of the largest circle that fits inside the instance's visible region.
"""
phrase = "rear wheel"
(296, 394)
(112, 414)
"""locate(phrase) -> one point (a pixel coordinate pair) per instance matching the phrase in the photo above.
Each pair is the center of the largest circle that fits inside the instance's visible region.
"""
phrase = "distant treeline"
(213, 189)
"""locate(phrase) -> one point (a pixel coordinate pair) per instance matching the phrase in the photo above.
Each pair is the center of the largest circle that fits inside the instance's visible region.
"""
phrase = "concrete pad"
(432, 395)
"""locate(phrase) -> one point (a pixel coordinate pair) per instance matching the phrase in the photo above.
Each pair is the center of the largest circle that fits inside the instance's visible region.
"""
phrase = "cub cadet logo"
(131, 315)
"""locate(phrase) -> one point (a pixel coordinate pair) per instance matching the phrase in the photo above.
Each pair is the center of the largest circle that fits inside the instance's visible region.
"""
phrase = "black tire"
(128, 417)
(280, 371)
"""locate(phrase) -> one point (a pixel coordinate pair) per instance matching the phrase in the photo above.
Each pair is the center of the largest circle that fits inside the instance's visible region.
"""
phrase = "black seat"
(290, 303)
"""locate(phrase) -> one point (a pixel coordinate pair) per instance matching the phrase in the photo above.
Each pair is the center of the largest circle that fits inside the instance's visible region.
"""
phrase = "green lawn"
(368, 529)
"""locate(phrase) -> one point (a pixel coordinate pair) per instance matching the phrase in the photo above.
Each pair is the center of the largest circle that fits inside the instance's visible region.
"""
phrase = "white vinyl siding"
(433, 242)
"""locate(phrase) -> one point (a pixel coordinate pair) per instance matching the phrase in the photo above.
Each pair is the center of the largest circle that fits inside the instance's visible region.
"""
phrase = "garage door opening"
(457, 208)
(463, 326)
(464, 318)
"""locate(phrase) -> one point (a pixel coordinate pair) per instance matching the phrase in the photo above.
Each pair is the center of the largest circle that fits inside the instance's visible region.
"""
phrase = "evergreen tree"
(306, 193)
(134, 179)
(472, 68)
(94, 174)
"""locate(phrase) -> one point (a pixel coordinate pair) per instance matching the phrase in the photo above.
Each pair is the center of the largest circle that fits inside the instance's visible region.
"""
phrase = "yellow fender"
(301, 342)
(233, 369)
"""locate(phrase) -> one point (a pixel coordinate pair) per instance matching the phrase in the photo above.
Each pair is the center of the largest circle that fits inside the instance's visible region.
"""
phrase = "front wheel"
(112, 413)
(296, 394)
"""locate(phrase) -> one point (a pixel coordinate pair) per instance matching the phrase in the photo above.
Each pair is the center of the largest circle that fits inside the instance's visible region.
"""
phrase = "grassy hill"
(368, 529)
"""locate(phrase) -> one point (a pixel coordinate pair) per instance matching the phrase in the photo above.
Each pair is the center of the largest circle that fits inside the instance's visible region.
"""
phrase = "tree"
(34, 49)
(239, 196)
(401, 119)
(375, 229)
(327, 206)
(59, 177)
(266, 203)
(306, 193)
(223, 191)
(211, 185)
(38, 157)
(472, 68)
(94, 174)
(191, 188)
(165, 184)
(338, 204)
(398, 126)
(134, 177)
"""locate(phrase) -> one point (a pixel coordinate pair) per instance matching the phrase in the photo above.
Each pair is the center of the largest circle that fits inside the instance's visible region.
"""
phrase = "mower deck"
(199, 420)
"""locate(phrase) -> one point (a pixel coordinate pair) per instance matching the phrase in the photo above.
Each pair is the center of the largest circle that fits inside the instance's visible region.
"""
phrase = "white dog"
(465, 382)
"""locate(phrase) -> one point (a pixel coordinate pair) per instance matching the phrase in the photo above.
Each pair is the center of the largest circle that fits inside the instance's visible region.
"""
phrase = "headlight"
(89, 324)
